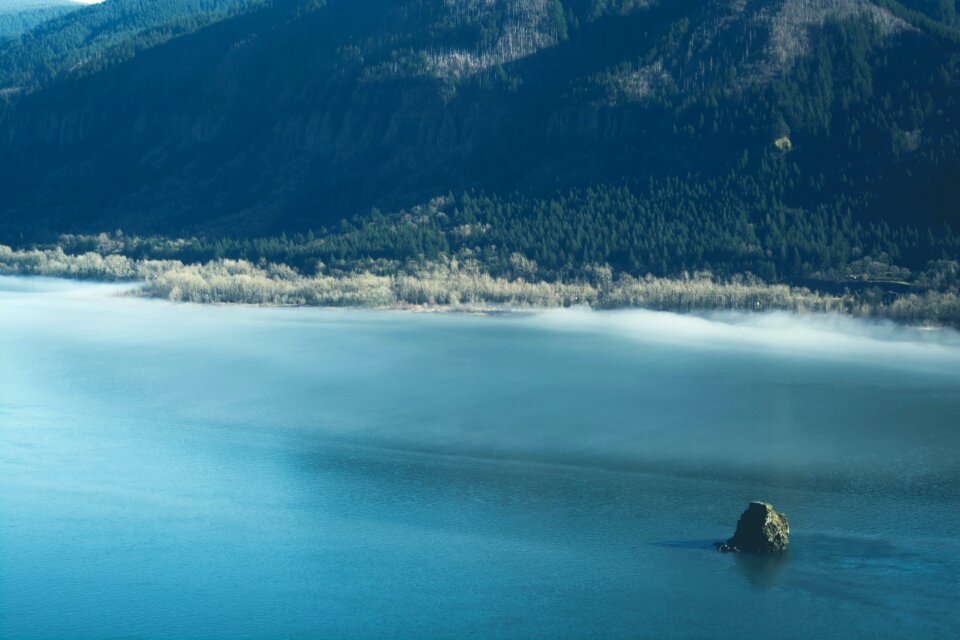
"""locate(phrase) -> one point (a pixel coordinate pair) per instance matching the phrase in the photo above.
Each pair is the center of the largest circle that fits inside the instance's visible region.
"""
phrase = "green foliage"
(98, 36)
(638, 135)
(666, 229)
(19, 16)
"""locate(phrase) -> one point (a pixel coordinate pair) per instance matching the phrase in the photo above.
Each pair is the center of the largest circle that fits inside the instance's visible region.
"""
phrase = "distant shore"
(449, 286)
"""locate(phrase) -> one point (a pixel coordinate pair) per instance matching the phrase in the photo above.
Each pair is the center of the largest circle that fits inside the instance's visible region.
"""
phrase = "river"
(187, 471)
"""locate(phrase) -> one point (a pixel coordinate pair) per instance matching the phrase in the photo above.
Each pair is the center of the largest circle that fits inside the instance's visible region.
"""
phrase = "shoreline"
(439, 290)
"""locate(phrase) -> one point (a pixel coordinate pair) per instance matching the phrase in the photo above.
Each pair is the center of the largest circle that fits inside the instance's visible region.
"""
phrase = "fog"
(755, 393)
(829, 336)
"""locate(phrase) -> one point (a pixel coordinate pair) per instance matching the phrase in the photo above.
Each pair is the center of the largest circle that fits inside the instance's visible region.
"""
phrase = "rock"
(761, 529)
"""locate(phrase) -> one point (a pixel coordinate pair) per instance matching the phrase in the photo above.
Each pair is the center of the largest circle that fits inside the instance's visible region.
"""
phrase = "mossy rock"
(761, 529)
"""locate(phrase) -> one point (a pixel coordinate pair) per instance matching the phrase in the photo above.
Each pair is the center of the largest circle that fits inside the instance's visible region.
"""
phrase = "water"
(178, 471)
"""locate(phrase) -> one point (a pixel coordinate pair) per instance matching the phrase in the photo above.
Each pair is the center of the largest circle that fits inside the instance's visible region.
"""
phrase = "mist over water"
(196, 471)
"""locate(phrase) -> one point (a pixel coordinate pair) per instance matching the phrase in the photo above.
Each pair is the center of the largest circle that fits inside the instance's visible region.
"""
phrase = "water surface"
(182, 471)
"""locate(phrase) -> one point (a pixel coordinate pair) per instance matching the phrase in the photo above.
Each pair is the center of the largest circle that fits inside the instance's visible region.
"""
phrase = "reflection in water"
(690, 544)
(762, 571)
(184, 471)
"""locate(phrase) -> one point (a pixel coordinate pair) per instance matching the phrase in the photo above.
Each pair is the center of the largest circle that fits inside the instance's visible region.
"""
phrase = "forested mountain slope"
(85, 39)
(18, 16)
(784, 137)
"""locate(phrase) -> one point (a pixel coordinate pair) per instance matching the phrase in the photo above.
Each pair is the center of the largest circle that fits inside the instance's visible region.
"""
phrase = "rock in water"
(761, 529)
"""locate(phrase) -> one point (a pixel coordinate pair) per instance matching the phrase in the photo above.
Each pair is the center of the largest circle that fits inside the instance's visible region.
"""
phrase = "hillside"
(19, 16)
(788, 138)
(59, 38)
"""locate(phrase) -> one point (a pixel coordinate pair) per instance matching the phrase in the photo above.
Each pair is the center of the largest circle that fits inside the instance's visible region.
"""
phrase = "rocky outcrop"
(761, 529)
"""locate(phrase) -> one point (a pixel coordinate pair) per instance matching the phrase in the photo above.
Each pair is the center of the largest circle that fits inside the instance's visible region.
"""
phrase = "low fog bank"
(821, 335)
(809, 335)
(42, 284)
(687, 394)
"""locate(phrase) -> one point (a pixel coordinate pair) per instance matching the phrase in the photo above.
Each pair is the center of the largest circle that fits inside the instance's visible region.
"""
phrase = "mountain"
(80, 39)
(19, 16)
(783, 136)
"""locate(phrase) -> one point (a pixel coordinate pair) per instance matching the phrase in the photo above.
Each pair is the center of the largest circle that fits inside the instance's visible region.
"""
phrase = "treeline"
(665, 229)
(453, 284)
(476, 249)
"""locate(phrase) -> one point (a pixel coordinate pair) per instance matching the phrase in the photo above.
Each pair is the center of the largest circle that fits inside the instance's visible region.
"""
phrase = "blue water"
(181, 471)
